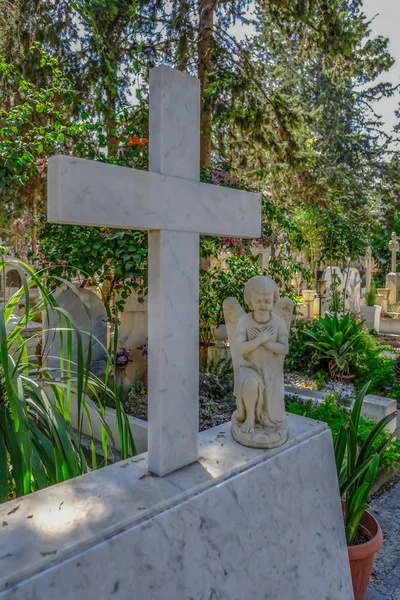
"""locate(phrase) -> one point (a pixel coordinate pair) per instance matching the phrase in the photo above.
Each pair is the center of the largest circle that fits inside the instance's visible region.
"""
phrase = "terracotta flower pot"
(362, 556)
(347, 378)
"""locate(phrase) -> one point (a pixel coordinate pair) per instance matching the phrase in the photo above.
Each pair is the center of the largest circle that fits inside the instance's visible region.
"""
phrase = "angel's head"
(261, 294)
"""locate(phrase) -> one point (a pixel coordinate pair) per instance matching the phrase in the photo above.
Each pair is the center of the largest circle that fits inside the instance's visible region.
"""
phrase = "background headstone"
(352, 283)
(328, 277)
(89, 315)
(133, 333)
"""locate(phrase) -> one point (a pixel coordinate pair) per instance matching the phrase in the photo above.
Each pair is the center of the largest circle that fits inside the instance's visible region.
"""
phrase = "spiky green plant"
(38, 446)
(357, 465)
(338, 340)
(370, 297)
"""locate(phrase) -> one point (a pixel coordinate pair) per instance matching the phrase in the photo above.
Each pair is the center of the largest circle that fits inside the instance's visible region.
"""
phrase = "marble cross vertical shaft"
(394, 248)
(175, 207)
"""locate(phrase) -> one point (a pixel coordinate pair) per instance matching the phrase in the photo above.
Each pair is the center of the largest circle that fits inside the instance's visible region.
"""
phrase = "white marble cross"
(171, 203)
(394, 248)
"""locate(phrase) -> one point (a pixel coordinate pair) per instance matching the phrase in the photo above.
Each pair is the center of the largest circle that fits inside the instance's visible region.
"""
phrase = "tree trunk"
(205, 64)
(111, 124)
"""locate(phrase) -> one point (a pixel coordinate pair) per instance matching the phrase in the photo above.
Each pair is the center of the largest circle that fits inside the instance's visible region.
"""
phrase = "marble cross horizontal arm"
(95, 193)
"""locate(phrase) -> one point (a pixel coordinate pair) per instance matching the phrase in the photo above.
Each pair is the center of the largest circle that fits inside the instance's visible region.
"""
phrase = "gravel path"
(386, 575)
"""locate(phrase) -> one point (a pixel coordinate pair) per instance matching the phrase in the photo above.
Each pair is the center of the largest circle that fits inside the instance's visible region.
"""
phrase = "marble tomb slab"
(121, 533)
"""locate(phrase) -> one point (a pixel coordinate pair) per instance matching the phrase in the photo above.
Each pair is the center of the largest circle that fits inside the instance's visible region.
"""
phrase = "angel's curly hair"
(260, 284)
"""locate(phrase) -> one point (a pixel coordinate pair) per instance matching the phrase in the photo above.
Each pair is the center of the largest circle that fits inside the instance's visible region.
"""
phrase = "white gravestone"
(189, 532)
(171, 203)
(352, 282)
(264, 254)
(333, 280)
(346, 284)
(132, 333)
(88, 314)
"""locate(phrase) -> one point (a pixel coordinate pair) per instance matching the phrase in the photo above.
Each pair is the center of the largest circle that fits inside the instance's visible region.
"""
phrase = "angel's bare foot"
(248, 426)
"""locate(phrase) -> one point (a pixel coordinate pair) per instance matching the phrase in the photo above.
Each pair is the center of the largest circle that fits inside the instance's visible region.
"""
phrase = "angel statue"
(259, 343)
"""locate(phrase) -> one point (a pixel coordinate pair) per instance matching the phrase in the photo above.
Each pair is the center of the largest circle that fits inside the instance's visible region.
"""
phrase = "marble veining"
(146, 200)
(171, 203)
(173, 359)
(250, 524)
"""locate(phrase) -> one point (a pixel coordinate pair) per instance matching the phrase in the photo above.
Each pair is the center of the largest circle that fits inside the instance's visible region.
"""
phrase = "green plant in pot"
(337, 341)
(371, 312)
(357, 467)
(370, 297)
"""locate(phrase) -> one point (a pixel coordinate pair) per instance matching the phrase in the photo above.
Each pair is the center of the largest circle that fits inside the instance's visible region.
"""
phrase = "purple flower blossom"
(122, 357)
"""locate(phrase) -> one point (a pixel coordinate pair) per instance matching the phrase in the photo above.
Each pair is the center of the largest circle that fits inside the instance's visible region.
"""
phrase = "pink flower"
(41, 165)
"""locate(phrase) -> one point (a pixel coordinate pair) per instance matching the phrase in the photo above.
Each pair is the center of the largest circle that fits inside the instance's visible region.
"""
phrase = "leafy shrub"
(370, 364)
(38, 446)
(217, 380)
(357, 463)
(301, 358)
(334, 416)
(338, 340)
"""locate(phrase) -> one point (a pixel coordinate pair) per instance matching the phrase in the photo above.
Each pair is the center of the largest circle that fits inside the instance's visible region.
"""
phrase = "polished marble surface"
(209, 524)
(93, 193)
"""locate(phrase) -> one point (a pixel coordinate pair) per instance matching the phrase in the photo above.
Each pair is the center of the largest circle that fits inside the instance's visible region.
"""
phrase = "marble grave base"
(239, 524)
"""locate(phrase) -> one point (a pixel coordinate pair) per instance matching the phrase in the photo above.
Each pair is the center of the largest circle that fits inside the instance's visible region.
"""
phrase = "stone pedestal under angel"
(259, 343)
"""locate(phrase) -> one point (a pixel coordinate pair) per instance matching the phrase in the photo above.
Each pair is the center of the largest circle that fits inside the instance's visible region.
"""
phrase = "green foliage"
(302, 358)
(361, 446)
(113, 258)
(216, 380)
(338, 340)
(31, 124)
(370, 364)
(334, 416)
(138, 389)
(219, 283)
(38, 446)
(357, 465)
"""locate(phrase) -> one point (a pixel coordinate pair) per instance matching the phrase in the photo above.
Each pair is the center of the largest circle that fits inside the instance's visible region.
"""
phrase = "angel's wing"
(232, 312)
(284, 309)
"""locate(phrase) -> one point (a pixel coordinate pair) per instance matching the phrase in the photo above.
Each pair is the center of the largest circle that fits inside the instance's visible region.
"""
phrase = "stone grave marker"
(171, 203)
(352, 283)
(89, 315)
(264, 254)
(132, 333)
(330, 276)
(224, 526)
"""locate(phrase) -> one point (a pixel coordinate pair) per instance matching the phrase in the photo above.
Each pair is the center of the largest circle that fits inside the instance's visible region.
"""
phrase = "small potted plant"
(357, 467)
(371, 311)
